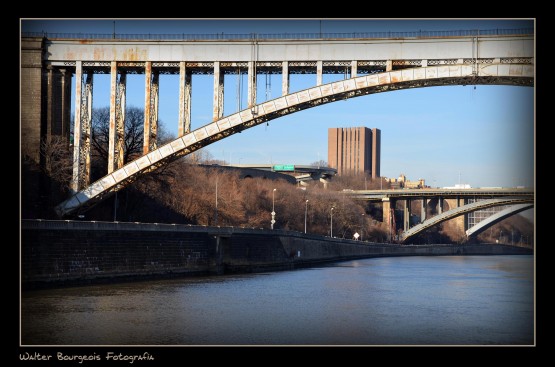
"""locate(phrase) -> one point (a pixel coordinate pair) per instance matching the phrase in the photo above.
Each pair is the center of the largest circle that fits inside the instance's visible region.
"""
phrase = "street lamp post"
(305, 211)
(361, 226)
(273, 211)
(115, 206)
(331, 221)
(216, 210)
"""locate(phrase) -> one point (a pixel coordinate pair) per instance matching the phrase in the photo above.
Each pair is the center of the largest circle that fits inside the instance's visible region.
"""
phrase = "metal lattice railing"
(284, 36)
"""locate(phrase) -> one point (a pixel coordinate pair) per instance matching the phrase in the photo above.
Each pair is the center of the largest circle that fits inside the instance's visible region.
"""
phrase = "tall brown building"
(354, 150)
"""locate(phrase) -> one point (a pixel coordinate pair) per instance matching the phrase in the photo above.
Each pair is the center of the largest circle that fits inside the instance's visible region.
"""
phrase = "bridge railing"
(283, 36)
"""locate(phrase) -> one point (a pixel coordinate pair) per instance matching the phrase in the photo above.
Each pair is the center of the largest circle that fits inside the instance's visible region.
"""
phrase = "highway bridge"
(302, 173)
(379, 195)
(447, 204)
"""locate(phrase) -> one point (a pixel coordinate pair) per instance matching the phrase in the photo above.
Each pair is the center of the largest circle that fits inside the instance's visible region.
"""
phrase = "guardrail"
(284, 36)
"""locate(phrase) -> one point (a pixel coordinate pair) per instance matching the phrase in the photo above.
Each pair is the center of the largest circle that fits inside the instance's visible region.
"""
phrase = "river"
(442, 300)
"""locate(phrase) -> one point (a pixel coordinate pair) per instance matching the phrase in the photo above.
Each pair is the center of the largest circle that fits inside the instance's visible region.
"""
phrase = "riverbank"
(68, 253)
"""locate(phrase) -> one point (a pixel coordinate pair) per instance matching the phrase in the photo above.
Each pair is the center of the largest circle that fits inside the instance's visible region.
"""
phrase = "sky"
(482, 136)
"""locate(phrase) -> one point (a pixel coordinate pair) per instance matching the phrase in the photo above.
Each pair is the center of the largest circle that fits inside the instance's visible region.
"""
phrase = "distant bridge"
(455, 212)
(457, 199)
(499, 216)
(307, 172)
(379, 195)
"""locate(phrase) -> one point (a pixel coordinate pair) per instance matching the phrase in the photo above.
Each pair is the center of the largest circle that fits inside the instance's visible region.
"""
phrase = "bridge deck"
(378, 195)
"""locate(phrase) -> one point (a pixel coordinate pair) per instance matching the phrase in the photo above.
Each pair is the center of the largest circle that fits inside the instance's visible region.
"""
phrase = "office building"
(354, 150)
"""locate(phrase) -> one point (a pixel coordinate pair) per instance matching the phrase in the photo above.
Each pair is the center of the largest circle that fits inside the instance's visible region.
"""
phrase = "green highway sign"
(284, 167)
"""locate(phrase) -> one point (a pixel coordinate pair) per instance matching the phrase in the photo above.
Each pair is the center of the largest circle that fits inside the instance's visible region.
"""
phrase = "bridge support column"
(65, 84)
(58, 104)
(116, 139)
(439, 205)
(354, 67)
(457, 223)
(406, 215)
(251, 84)
(388, 216)
(423, 210)
(151, 109)
(218, 106)
(184, 123)
(31, 97)
(319, 68)
(386, 212)
(285, 78)
(82, 129)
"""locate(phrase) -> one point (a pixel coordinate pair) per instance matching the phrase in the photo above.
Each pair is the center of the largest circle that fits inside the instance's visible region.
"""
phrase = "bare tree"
(201, 156)
(320, 163)
(133, 133)
(57, 160)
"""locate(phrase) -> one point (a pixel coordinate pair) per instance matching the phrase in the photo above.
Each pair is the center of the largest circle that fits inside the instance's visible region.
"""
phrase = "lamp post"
(115, 206)
(305, 211)
(216, 210)
(331, 221)
(273, 211)
(361, 226)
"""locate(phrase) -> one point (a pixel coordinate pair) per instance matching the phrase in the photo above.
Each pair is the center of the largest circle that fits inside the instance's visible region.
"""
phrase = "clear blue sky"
(486, 134)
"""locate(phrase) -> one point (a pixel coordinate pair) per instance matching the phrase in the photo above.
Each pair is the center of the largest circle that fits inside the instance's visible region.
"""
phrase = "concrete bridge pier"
(406, 215)
(457, 223)
(388, 215)
(33, 88)
(439, 205)
(45, 118)
(58, 104)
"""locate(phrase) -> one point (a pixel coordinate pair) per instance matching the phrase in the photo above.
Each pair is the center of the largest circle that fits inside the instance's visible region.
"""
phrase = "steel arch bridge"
(371, 63)
(489, 74)
(524, 203)
(497, 217)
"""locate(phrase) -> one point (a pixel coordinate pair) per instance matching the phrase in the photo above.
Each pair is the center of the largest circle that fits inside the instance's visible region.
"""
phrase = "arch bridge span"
(370, 63)
(457, 202)
(522, 202)
(499, 74)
